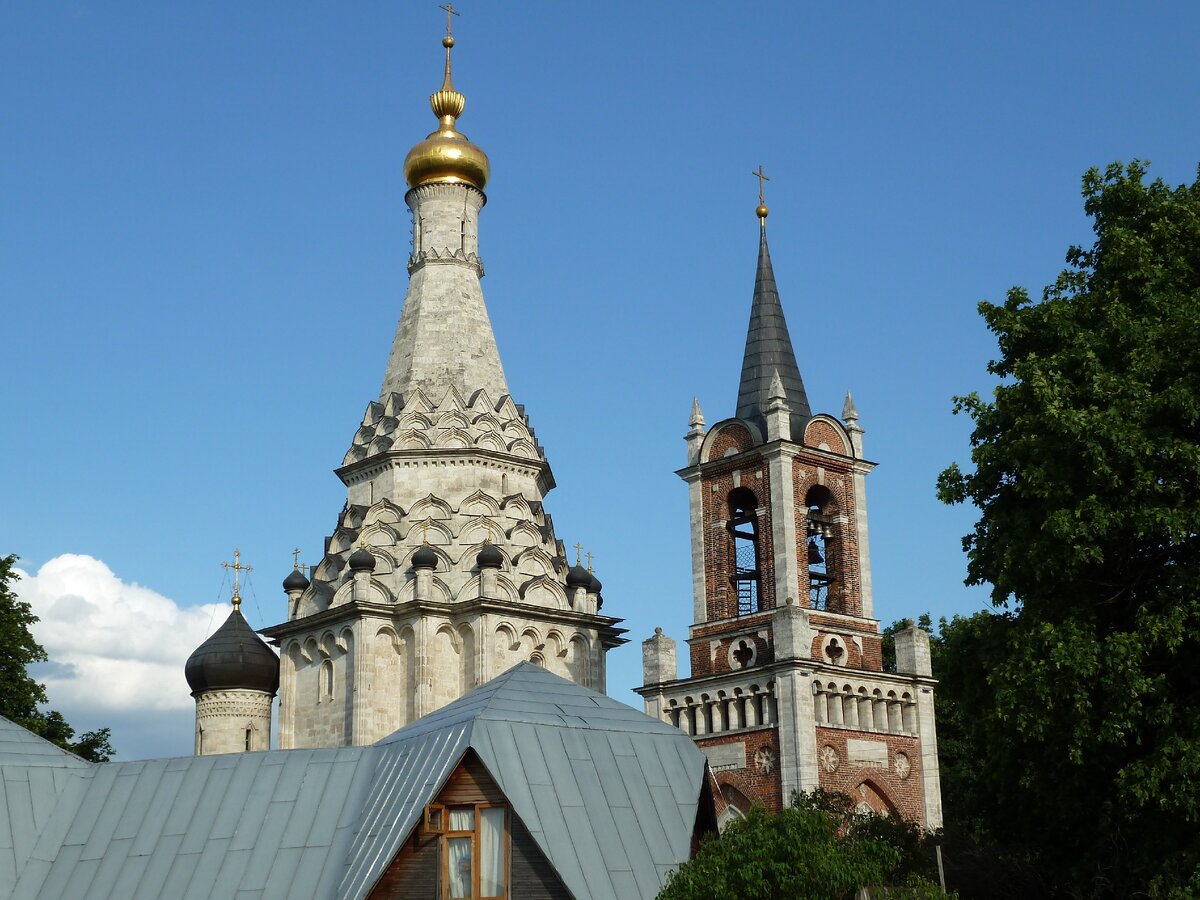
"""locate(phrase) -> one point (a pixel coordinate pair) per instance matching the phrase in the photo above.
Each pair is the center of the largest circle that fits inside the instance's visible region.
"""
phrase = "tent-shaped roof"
(609, 795)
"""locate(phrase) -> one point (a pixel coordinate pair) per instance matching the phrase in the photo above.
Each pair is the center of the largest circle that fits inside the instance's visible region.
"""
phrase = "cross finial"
(489, 528)
(761, 176)
(589, 559)
(238, 568)
(425, 532)
(450, 11)
(578, 550)
(296, 564)
(761, 212)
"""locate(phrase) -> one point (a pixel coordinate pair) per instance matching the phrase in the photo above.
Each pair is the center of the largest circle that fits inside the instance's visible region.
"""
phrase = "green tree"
(818, 848)
(21, 696)
(1086, 475)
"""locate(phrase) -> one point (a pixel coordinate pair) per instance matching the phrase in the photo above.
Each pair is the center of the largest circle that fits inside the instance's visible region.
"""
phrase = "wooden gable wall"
(414, 871)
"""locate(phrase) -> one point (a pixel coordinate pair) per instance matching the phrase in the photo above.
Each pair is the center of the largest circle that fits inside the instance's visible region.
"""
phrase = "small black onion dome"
(578, 577)
(489, 557)
(595, 583)
(233, 657)
(425, 558)
(362, 560)
(295, 582)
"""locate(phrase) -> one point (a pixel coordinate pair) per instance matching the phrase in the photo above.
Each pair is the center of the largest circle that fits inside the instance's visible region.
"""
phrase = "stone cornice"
(606, 626)
(445, 255)
(540, 468)
(806, 667)
(770, 450)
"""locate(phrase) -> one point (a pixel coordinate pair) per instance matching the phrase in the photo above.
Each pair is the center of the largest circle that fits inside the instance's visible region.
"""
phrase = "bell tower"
(787, 690)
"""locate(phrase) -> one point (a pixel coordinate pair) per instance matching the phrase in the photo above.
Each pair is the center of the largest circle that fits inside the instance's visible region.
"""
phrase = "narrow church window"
(325, 681)
(822, 546)
(743, 527)
(249, 734)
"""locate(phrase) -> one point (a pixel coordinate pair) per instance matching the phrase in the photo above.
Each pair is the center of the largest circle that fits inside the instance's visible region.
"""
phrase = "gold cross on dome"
(589, 559)
(761, 176)
(238, 568)
(578, 550)
(450, 11)
(296, 564)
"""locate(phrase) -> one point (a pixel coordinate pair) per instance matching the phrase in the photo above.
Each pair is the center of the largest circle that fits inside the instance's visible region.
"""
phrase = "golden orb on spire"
(762, 210)
(446, 156)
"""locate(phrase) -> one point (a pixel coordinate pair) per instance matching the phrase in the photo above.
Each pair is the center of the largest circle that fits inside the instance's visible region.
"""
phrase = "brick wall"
(759, 778)
(729, 634)
(899, 783)
(819, 431)
(845, 594)
(731, 437)
(717, 483)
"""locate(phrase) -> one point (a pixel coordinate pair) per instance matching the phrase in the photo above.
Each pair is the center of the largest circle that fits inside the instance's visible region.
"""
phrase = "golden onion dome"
(446, 156)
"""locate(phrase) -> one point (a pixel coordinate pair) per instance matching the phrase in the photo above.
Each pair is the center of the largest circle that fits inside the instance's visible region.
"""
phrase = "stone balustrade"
(725, 709)
(888, 708)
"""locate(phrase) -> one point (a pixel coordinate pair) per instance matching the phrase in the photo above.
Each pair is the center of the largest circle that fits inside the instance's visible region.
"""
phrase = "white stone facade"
(233, 721)
(444, 461)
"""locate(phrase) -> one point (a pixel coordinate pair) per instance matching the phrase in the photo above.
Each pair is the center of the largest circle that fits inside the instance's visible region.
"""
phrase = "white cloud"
(113, 646)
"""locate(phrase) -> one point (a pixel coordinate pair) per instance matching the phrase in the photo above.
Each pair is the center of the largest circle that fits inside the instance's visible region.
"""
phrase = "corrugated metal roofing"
(609, 794)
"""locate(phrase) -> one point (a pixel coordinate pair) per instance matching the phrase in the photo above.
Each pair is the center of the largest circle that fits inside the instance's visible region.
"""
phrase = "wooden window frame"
(437, 822)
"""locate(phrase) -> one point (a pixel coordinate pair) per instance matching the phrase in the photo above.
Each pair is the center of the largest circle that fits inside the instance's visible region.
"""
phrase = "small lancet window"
(325, 681)
(822, 546)
(743, 528)
(249, 737)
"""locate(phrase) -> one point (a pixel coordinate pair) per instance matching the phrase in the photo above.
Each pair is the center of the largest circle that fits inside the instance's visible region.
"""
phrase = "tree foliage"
(1083, 689)
(818, 848)
(22, 696)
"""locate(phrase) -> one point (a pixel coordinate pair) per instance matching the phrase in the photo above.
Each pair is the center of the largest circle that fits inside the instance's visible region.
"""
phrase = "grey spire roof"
(769, 351)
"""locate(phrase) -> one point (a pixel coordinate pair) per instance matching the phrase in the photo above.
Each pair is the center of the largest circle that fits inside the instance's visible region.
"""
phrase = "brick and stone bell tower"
(787, 690)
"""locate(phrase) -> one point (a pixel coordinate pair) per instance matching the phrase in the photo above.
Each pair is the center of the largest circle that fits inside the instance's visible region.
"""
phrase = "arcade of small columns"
(359, 682)
(865, 705)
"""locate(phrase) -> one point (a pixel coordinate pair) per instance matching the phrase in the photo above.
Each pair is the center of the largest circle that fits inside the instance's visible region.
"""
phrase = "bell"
(814, 554)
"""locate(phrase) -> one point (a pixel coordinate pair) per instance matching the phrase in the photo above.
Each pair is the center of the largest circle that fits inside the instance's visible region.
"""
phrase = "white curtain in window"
(459, 866)
(491, 852)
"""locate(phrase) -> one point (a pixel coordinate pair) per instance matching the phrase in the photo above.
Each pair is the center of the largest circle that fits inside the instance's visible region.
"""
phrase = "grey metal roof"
(35, 778)
(609, 794)
(769, 349)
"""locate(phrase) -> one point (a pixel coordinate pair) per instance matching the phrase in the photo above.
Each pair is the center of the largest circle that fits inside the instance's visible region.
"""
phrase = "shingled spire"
(769, 351)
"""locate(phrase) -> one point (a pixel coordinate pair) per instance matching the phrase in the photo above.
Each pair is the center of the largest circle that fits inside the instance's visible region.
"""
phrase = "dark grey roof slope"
(609, 794)
(769, 349)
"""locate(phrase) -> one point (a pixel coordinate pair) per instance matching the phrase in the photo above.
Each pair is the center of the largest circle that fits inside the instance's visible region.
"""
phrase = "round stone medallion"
(764, 760)
(903, 766)
(829, 759)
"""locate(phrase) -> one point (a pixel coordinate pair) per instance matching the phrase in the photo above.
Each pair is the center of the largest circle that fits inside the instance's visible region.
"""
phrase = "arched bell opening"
(823, 549)
(744, 532)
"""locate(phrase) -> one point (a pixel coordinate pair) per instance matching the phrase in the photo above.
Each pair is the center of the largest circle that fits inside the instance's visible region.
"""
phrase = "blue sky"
(203, 238)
